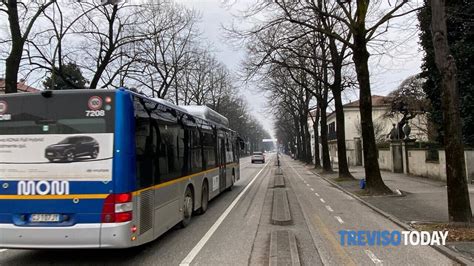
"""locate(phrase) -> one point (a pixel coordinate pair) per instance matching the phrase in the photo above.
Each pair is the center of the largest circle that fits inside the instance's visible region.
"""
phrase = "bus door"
(222, 164)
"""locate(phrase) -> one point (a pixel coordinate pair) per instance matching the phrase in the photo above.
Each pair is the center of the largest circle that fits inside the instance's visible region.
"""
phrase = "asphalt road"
(171, 248)
(235, 230)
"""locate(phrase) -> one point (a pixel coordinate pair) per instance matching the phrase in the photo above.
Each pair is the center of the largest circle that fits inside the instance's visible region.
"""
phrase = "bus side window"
(144, 152)
(209, 147)
(171, 153)
(196, 154)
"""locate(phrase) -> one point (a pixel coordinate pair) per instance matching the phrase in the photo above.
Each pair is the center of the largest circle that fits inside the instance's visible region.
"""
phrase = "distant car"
(257, 157)
(72, 148)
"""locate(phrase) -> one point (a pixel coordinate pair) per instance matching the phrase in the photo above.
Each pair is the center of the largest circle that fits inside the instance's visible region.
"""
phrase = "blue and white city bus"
(106, 168)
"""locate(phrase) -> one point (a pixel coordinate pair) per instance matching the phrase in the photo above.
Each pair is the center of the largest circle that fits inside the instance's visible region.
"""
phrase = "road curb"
(283, 249)
(280, 208)
(441, 249)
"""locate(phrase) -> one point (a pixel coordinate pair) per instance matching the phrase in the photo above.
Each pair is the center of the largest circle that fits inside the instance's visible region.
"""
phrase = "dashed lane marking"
(322, 200)
(312, 189)
(339, 219)
(307, 185)
(195, 251)
(315, 193)
(326, 234)
(374, 258)
(329, 208)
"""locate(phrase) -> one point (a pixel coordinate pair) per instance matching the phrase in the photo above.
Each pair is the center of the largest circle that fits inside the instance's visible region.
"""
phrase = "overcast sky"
(386, 71)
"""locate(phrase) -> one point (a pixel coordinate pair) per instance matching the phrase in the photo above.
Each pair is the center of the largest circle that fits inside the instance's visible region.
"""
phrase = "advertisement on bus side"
(84, 157)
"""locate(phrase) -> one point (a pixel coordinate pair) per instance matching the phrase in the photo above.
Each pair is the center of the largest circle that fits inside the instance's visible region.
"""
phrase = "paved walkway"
(422, 200)
(328, 210)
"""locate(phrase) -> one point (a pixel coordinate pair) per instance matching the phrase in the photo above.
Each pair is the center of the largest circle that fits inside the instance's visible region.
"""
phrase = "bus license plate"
(42, 218)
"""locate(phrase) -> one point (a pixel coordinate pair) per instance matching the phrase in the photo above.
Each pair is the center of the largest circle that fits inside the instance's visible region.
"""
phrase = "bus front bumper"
(112, 235)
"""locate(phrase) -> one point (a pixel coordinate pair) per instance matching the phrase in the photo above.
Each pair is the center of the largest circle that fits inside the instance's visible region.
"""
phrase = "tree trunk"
(298, 138)
(459, 207)
(317, 157)
(340, 131)
(324, 140)
(108, 53)
(14, 58)
(303, 140)
(375, 184)
(12, 67)
(306, 139)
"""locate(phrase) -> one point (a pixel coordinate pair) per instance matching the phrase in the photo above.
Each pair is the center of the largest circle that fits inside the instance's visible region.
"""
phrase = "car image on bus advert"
(72, 148)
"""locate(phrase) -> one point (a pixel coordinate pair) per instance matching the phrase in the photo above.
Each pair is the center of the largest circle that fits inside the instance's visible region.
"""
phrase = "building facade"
(383, 124)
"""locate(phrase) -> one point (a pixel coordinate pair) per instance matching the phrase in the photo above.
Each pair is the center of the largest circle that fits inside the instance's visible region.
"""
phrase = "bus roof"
(206, 113)
(199, 111)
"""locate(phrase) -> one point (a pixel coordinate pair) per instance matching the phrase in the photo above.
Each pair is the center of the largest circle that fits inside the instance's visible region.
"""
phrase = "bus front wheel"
(187, 207)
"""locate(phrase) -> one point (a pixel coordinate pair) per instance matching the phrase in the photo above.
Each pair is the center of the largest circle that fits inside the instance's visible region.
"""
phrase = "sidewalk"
(423, 200)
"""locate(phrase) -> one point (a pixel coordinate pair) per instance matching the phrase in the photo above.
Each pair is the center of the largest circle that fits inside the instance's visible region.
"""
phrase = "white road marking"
(312, 189)
(347, 196)
(315, 193)
(322, 200)
(307, 185)
(374, 258)
(329, 208)
(339, 219)
(3, 250)
(193, 253)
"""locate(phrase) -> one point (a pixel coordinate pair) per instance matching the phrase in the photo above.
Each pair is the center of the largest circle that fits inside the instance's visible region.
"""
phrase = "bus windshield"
(39, 134)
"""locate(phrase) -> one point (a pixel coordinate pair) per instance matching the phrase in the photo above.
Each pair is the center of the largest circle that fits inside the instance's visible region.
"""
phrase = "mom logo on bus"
(43, 188)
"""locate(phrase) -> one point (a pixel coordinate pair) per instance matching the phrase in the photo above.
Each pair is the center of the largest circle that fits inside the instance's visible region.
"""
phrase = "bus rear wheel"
(188, 204)
(204, 198)
(232, 181)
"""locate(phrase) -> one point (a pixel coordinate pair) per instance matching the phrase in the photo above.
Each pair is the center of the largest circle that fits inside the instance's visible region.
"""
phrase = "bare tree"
(170, 31)
(29, 13)
(408, 100)
(49, 48)
(353, 18)
(281, 35)
(107, 36)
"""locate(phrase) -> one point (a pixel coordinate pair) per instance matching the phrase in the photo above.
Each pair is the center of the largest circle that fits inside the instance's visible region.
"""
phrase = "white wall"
(436, 170)
(385, 159)
(418, 165)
